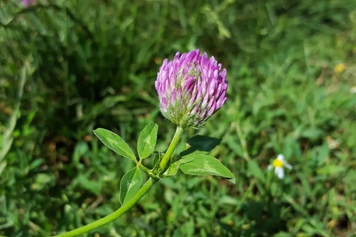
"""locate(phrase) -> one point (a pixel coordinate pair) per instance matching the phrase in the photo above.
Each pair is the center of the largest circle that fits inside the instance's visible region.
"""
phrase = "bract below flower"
(278, 165)
(191, 88)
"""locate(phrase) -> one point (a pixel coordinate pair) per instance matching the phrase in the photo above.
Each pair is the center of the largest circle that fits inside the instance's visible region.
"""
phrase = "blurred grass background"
(68, 67)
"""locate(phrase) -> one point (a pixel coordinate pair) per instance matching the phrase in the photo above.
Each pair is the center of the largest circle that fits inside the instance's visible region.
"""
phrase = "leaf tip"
(96, 130)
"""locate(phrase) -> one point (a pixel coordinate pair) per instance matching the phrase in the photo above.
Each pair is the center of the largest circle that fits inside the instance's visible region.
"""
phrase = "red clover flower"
(191, 88)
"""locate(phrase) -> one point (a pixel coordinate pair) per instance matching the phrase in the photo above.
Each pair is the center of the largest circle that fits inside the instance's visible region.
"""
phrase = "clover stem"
(143, 190)
(167, 156)
(113, 216)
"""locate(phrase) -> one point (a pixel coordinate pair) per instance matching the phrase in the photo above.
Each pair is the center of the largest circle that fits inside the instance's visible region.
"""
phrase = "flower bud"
(191, 88)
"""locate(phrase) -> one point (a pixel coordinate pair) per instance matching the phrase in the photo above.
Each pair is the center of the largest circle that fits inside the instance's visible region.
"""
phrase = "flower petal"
(279, 172)
(280, 157)
(289, 166)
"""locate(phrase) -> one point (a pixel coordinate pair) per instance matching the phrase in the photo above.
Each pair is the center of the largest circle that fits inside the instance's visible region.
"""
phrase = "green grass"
(90, 64)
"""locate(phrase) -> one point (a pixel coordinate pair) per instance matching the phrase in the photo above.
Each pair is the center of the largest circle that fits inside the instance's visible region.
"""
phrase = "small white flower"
(278, 165)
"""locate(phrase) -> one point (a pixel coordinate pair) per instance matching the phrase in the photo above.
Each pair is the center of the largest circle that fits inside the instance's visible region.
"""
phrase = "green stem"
(144, 168)
(170, 150)
(143, 190)
(148, 171)
(109, 218)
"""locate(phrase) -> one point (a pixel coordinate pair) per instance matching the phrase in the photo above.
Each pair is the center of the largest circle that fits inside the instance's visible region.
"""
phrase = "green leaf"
(312, 133)
(147, 140)
(234, 146)
(114, 142)
(93, 186)
(255, 170)
(173, 168)
(42, 181)
(201, 143)
(130, 184)
(204, 143)
(323, 154)
(80, 149)
(206, 165)
(331, 169)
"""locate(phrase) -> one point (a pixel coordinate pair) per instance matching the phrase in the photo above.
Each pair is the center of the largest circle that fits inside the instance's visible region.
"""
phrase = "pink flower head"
(191, 88)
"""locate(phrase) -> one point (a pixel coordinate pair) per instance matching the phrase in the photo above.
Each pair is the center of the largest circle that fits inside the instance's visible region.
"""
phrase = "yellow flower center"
(278, 163)
(339, 68)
